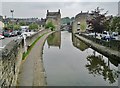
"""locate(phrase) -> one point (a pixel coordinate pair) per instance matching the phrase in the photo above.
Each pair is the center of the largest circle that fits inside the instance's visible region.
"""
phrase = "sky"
(35, 8)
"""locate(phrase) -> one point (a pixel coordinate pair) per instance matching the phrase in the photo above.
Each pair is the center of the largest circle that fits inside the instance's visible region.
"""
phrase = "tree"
(8, 26)
(50, 25)
(16, 27)
(22, 23)
(33, 26)
(115, 24)
(97, 23)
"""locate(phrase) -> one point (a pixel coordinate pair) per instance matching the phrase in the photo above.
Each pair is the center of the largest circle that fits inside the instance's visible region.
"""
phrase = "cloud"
(60, 0)
(38, 9)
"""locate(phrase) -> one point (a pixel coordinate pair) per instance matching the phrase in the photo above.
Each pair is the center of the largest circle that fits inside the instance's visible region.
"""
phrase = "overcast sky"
(68, 9)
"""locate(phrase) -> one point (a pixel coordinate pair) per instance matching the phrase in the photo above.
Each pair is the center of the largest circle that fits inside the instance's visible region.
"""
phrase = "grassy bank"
(30, 48)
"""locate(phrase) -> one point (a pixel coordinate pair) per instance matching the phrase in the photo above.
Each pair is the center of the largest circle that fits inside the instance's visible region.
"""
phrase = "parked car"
(92, 34)
(28, 33)
(114, 33)
(7, 34)
(1, 36)
(19, 32)
(14, 33)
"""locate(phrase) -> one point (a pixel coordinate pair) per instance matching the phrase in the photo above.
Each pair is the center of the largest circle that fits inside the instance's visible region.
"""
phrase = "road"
(4, 42)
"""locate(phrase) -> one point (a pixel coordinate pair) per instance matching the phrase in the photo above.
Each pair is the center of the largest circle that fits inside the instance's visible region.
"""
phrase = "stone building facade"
(55, 18)
(79, 23)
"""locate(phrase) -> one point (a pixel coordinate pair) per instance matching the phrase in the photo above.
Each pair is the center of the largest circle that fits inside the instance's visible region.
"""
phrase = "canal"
(70, 62)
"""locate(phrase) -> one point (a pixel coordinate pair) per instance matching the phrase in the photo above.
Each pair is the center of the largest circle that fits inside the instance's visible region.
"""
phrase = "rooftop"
(53, 13)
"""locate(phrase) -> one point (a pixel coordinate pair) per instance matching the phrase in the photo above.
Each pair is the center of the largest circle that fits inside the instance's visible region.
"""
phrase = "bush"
(50, 25)
(33, 26)
(12, 27)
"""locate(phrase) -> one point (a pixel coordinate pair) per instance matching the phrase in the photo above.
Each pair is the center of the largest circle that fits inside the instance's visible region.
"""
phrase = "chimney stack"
(59, 10)
(47, 11)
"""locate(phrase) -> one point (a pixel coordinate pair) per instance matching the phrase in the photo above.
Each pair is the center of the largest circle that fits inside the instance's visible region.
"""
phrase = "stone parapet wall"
(11, 58)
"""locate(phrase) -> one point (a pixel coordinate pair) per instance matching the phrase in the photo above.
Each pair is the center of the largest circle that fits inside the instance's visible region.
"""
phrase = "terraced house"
(55, 18)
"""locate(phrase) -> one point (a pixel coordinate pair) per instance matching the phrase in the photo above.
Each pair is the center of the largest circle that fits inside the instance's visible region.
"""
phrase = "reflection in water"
(54, 39)
(74, 62)
(97, 66)
(119, 75)
(78, 43)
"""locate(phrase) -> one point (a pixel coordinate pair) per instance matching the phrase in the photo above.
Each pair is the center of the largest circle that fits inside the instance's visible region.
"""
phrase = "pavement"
(32, 72)
(4, 42)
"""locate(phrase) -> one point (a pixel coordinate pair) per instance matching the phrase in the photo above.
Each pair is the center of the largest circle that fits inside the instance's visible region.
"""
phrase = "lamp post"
(12, 11)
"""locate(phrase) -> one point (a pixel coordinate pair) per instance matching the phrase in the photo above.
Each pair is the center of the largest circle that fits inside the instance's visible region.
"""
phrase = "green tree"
(22, 23)
(33, 26)
(8, 26)
(115, 24)
(16, 27)
(50, 25)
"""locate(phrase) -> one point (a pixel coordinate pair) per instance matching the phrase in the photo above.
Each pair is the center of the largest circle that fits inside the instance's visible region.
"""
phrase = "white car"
(26, 33)
(1, 36)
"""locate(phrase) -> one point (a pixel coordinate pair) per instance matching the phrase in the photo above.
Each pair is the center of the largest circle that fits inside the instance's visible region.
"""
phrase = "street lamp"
(12, 11)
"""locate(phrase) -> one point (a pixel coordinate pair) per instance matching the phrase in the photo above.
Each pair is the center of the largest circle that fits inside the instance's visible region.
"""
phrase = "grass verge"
(30, 48)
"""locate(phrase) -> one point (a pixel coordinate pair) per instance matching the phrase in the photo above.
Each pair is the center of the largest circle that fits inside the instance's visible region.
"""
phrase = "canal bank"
(101, 49)
(32, 72)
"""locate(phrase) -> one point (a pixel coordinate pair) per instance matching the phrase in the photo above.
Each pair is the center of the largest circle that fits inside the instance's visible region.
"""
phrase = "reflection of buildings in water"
(78, 43)
(97, 66)
(54, 39)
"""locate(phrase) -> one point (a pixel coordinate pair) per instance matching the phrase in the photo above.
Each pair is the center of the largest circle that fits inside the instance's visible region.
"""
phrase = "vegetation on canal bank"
(30, 48)
(50, 25)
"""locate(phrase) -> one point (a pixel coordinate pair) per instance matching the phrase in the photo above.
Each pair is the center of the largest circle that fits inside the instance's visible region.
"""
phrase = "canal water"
(70, 62)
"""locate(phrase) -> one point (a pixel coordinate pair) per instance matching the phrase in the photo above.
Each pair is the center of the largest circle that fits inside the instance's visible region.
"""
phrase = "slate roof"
(78, 15)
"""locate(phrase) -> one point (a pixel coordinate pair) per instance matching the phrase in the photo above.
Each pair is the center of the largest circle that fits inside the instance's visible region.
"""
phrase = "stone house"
(79, 23)
(55, 18)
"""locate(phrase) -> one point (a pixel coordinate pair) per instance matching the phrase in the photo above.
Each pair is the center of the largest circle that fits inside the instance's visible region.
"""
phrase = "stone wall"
(11, 58)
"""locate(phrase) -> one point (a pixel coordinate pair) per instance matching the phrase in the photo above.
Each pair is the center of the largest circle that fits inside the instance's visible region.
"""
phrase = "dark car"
(19, 33)
(108, 38)
(7, 34)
